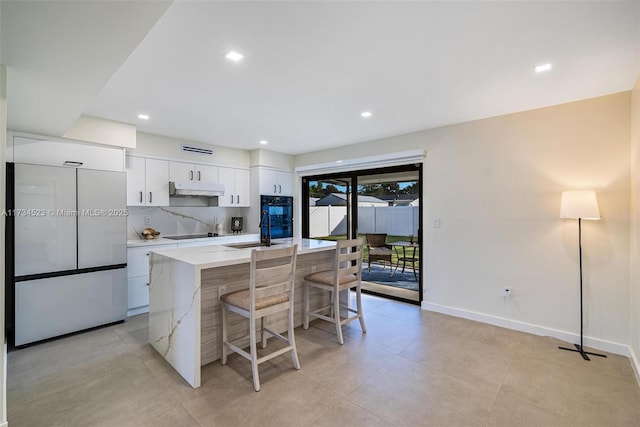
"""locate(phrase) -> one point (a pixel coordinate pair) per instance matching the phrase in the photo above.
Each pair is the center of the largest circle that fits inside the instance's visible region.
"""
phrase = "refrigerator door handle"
(72, 163)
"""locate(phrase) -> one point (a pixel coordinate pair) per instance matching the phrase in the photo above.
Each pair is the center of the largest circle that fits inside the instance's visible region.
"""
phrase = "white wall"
(496, 184)
(102, 131)
(635, 216)
(635, 226)
(272, 159)
(165, 146)
(3, 144)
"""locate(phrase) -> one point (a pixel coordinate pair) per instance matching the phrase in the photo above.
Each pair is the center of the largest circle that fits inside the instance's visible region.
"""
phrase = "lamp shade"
(579, 204)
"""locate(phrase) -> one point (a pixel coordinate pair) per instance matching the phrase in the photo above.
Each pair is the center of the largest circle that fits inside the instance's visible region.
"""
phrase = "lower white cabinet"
(138, 267)
(138, 293)
(138, 277)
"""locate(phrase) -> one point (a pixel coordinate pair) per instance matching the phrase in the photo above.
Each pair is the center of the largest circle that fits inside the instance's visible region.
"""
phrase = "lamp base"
(580, 350)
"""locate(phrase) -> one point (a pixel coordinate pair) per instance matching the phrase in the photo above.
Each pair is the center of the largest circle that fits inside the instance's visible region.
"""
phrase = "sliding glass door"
(383, 207)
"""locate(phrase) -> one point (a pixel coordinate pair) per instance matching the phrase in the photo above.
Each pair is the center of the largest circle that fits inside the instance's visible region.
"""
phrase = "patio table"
(411, 258)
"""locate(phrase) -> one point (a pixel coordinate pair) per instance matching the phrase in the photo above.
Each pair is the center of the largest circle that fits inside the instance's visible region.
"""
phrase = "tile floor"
(413, 368)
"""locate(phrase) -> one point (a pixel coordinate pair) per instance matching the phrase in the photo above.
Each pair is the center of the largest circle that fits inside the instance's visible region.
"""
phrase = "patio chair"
(379, 250)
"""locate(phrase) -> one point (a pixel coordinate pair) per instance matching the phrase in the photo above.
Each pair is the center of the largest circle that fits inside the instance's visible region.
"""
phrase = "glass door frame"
(352, 206)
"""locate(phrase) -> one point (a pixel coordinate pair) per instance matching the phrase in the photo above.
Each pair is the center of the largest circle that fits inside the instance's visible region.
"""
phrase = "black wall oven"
(280, 209)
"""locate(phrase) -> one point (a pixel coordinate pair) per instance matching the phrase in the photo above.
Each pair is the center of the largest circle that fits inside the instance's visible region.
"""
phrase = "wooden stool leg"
(223, 359)
(254, 353)
(292, 341)
(263, 336)
(360, 312)
(305, 314)
(336, 315)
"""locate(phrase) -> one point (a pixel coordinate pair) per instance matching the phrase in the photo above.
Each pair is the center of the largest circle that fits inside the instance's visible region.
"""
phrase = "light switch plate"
(436, 223)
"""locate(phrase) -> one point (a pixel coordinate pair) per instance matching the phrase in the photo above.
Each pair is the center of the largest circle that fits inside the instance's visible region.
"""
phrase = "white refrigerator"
(69, 232)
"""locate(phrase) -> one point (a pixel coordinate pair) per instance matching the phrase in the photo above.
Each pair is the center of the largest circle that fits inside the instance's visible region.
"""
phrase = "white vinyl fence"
(394, 220)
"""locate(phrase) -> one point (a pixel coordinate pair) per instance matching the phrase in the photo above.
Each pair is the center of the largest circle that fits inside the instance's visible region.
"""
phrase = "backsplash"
(181, 220)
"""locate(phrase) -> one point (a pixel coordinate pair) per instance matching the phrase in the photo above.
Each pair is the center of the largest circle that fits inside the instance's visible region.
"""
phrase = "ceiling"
(309, 68)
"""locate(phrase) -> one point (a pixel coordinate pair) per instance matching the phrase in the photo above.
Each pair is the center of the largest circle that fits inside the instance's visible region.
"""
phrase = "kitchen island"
(185, 287)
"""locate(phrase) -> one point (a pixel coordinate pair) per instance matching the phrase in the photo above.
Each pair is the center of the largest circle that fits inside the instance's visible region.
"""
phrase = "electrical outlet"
(147, 220)
(506, 292)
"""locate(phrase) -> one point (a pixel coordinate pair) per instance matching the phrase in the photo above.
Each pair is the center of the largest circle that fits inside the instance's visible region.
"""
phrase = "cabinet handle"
(190, 175)
(274, 189)
(232, 199)
(198, 175)
(141, 197)
(147, 284)
(238, 197)
(280, 189)
(150, 197)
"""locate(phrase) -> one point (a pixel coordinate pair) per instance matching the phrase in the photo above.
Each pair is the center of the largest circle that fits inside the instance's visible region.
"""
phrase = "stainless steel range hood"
(194, 188)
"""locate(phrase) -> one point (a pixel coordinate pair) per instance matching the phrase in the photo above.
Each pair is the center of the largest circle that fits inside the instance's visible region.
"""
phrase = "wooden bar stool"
(346, 274)
(271, 284)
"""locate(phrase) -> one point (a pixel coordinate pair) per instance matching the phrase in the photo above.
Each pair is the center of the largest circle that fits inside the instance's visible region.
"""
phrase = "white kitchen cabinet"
(275, 182)
(67, 153)
(138, 277)
(237, 190)
(184, 172)
(137, 295)
(147, 181)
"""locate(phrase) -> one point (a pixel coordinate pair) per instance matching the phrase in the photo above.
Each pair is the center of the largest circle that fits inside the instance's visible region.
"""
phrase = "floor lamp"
(580, 205)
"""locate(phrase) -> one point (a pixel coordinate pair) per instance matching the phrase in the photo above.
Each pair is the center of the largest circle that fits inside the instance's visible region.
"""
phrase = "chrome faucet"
(265, 239)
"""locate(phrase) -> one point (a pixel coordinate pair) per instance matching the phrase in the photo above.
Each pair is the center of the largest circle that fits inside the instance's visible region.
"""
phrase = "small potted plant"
(411, 239)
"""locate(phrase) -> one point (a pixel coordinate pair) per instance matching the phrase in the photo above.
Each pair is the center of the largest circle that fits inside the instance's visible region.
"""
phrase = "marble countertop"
(224, 239)
(219, 255)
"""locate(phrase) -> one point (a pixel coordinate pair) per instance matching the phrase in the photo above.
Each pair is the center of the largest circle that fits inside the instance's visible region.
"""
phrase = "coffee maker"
(236, 224)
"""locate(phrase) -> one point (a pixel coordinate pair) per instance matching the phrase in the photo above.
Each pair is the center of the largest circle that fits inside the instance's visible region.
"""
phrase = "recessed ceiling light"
(264, 142)
(339, 161)
(143, 116)
(234, 56)
(542, 68)
(366, 114)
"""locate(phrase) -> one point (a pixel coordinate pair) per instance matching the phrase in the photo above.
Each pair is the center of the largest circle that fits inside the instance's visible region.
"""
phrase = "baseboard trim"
(135, 312)
(635, 363)
(594, 343)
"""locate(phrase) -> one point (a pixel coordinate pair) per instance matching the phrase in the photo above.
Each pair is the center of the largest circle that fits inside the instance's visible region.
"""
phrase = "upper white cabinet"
(147, 181)
(67, 153)
(275, 182)
(237, 190)
(182, 172)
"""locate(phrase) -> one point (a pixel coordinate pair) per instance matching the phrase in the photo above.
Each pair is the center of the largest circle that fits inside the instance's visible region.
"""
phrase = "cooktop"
(191, 236)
